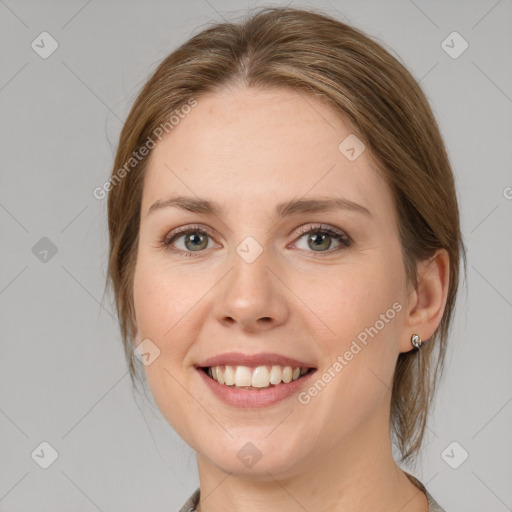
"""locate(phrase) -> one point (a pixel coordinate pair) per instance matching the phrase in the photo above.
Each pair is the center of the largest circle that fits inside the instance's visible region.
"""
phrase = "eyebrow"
(291, 207)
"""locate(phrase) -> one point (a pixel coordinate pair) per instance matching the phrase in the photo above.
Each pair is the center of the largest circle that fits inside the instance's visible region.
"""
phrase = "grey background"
(62, 371)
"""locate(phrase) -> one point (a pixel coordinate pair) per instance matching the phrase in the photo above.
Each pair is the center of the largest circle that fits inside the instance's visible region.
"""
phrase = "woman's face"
(246, 280)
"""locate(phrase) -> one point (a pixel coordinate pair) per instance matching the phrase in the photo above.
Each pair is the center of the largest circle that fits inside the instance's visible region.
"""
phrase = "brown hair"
(310, 52)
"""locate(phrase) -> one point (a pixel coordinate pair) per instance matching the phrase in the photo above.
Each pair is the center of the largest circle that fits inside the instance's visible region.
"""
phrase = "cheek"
(354, 299)
(160, 308)
(167, 305)
(162, 298)
(362, 308)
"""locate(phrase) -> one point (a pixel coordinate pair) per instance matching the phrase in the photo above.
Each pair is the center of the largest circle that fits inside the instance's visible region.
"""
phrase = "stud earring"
(416, 341)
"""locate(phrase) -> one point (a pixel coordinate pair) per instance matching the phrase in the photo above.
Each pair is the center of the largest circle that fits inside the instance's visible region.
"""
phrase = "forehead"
(251, 147)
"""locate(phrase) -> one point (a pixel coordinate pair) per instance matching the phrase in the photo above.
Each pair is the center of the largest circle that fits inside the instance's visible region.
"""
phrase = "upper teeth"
(258, 377)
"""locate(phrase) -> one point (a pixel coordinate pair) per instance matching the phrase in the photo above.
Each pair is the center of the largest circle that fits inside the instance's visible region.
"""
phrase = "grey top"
(433, 506)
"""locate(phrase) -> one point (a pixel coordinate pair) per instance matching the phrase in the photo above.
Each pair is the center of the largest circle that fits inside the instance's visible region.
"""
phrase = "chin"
(255, 458)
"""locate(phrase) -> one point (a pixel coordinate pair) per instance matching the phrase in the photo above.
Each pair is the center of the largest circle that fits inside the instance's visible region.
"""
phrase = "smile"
(247, 396)
(259, 377)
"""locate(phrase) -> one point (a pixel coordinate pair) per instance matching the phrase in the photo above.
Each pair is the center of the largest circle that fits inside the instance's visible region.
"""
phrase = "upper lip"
(239, 359)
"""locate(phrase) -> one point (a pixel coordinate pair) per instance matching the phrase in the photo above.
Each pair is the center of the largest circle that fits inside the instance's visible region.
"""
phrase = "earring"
(416, 341)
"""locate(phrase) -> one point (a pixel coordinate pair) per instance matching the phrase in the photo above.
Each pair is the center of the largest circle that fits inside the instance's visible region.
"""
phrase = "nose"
(252, 296)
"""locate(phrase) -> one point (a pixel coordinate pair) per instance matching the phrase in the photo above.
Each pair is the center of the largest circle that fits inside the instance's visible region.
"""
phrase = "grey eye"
(318, 241)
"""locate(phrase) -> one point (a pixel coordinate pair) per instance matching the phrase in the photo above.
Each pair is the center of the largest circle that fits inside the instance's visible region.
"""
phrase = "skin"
(250, 150)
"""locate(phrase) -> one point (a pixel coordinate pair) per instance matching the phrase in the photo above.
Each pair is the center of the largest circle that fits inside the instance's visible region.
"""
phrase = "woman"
(284, 252)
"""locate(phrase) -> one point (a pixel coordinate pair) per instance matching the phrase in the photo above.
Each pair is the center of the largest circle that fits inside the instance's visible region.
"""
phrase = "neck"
(357, 474)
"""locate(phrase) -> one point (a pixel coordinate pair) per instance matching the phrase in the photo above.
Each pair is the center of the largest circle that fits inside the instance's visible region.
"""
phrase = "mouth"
(255, 378)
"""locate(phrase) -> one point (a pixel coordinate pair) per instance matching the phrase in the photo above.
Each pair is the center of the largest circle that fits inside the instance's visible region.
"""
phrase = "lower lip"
(248, 398)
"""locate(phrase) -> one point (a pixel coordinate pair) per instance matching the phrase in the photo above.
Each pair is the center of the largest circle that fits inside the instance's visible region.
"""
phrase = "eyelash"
(344, 239)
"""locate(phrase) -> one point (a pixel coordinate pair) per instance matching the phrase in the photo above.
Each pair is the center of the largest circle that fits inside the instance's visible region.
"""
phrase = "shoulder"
(192, 502)
(433, 506)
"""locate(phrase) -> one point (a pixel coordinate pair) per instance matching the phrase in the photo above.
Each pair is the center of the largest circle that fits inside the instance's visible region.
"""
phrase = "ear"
(427, 302)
